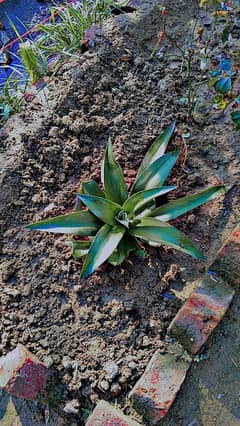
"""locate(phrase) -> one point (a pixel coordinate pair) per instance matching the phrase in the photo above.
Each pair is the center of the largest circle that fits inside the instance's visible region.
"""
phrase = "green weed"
(11, 97)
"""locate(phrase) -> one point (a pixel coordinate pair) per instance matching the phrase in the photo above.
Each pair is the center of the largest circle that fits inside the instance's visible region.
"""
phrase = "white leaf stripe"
(103, 245)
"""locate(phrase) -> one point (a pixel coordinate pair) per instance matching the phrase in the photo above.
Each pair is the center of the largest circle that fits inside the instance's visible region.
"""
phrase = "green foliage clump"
(64, 34)
(115, 220)
(34, 60)
(62, 37)
(11, 97)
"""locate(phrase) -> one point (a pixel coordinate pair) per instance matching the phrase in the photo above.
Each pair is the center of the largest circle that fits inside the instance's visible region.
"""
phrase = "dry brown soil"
(119, 314)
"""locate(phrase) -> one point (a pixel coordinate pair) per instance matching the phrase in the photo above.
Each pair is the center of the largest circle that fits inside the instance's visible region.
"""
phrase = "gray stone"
(111, 369)
(72, 407)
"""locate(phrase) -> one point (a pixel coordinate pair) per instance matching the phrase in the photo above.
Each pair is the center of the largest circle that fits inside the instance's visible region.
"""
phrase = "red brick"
(201, 313)
(106, 415)
(156, 390)
(22, 374)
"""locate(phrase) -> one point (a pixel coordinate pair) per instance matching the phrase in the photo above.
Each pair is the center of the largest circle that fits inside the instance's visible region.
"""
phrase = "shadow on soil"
(14, 411)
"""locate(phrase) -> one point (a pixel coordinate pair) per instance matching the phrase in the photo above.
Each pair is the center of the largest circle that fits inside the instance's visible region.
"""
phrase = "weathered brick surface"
(106, 415)
(22, 374)
(227, 262)
(156, 390)
(201, 313)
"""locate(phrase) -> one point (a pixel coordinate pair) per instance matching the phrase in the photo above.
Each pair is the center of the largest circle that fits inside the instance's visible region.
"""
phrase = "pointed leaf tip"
(114, 183)
(78, 223)
(157, 173)
(151, 229)
(91, 187)
(178, 207)
(158, 148)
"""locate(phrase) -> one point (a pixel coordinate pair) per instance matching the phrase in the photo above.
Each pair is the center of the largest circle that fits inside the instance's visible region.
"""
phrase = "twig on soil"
(234, 362)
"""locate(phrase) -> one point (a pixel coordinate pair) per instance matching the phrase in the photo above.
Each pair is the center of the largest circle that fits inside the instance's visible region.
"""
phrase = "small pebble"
(111, 369)
(103, 385)
(72, 407)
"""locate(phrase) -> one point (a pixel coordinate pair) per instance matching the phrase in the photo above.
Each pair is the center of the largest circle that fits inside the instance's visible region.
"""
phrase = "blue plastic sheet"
(24, 14)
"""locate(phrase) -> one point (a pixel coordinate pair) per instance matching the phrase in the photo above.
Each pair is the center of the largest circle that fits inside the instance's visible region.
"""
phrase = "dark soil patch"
(118, 315)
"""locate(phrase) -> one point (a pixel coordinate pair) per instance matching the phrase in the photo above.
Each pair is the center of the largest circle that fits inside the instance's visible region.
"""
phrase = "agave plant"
(116, 218)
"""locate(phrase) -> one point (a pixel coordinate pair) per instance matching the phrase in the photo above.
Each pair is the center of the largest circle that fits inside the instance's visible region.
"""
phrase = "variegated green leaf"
(79, 253)
(101, 248)
(140, 199)
(178, 207)
(80, 244)
(79, 223)
(114, 183)
(91, 187)
(156, 174)
(79, 247)
(105, 210)
(151, 229)
(126, 245)
(157, 149)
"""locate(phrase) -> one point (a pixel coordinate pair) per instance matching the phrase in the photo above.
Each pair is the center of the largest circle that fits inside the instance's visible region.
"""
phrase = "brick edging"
(156, 390)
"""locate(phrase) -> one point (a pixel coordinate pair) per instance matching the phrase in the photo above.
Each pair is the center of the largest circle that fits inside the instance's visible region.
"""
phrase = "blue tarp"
(21, 12)
(24, 14)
